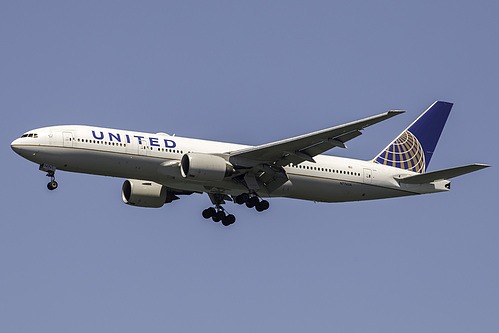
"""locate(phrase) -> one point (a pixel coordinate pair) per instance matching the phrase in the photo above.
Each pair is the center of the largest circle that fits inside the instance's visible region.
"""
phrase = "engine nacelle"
(143, 193)
(205, 167)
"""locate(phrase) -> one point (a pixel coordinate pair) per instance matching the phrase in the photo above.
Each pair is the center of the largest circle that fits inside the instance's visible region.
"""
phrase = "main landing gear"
(218, 213)
(50, 170)
(252, 201)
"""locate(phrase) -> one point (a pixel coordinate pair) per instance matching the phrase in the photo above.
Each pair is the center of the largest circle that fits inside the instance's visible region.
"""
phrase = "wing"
(262, 166)
(305, 147)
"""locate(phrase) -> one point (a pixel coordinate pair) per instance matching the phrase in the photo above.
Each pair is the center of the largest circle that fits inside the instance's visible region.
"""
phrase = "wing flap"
(441, 174)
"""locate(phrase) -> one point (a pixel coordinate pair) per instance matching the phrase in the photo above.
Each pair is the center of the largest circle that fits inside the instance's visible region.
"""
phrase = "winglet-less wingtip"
(396, 112)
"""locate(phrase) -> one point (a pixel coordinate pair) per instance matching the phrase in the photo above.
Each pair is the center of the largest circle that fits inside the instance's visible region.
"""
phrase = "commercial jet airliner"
(159, 167)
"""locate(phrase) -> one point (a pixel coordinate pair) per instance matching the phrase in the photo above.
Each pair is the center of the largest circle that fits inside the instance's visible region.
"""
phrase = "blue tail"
(413, 148)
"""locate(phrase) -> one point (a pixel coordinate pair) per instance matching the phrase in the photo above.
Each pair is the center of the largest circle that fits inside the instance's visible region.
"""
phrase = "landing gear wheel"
(252, 202)
(209, 212)
(262, 205)
(52, 185)
(242, 198)
(228, 220)
(219, 216)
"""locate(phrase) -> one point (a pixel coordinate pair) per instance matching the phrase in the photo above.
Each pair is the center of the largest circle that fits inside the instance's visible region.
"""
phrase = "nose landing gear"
(50, 170)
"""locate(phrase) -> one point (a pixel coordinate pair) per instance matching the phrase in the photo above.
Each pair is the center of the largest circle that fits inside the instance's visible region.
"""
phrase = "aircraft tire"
(219, 216)
(228, 220)
(262, 205)
(209, 212)
(252, 202)
(52, 185)
(242, 198)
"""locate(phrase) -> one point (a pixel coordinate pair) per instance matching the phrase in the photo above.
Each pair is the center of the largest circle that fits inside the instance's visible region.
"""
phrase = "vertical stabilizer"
(413, 148)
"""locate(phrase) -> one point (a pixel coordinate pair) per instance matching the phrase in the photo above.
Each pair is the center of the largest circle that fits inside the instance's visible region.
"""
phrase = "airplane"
(159, 168)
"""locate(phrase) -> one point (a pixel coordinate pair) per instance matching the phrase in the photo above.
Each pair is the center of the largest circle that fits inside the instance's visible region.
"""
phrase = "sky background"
(79, 260)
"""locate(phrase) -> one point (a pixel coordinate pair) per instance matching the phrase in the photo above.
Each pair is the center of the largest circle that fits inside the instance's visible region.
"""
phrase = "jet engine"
(205, 167)
(143, 193)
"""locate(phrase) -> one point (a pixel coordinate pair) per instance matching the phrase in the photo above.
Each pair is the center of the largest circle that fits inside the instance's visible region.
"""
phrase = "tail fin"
(413, 148)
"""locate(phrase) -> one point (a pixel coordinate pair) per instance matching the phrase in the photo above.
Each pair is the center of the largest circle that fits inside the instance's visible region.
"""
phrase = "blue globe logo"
(405, 153)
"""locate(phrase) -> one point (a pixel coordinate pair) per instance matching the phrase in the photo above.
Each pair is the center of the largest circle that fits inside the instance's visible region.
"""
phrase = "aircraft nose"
(15, 146)
(20, 147)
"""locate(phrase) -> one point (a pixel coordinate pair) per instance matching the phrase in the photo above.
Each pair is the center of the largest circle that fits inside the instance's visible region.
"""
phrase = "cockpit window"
(30, 135)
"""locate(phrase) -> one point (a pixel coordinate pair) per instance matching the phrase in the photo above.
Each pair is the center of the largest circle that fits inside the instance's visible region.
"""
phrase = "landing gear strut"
(218, 213)
(50, 170)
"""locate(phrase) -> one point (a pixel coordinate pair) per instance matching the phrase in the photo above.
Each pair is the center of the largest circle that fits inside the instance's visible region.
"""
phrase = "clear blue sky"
(79, 260)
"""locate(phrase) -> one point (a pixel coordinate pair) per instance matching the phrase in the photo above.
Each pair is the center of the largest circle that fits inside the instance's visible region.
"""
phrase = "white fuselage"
(146, 156)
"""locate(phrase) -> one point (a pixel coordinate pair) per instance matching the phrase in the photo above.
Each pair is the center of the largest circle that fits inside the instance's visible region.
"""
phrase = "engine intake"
(143, 193)
(205, 167)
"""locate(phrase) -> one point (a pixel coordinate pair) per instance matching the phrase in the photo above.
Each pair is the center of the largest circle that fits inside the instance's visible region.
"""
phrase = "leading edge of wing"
(305, 147)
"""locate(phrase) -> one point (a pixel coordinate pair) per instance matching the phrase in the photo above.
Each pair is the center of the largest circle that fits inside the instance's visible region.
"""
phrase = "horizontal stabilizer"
(441, 174)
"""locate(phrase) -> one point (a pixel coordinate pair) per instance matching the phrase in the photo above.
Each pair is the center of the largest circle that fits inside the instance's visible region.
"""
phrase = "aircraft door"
(368, 176)
(67, 139)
